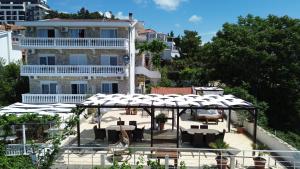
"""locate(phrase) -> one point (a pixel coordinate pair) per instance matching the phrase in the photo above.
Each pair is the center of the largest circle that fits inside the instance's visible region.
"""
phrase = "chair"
(198, 140)
(203, 126)
(99, 133)
(120, 123)
(121, 146)
(194, 127)
(210, 138)
(113, 136)
(138, 134)
(186, 137)
(221, 135)
(133, 123)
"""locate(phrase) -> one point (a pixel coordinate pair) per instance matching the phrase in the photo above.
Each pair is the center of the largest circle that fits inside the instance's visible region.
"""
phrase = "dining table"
(118, 128)
(203, 131)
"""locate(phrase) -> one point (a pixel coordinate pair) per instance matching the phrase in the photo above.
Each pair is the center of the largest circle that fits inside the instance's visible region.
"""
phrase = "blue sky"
(204, 16)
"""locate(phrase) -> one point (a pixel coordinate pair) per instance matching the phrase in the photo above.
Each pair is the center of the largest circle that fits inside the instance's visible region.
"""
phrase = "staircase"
(148, 73)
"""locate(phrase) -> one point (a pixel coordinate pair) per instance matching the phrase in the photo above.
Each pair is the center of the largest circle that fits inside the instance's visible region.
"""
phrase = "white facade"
(6, 48)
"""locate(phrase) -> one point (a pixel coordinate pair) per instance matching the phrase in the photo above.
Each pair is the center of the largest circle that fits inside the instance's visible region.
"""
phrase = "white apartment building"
(68, 60)
(21, 10)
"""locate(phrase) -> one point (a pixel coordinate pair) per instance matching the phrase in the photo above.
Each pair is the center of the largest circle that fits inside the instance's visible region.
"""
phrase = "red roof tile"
(171, 90)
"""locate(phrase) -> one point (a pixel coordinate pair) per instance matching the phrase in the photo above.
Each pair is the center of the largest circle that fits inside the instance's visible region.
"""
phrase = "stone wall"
(64, 84)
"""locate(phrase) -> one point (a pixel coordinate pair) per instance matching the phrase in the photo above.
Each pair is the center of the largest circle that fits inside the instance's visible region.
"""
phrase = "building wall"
(6, 50)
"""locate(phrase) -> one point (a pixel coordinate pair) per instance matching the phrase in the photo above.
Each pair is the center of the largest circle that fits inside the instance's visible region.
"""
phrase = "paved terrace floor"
(89, 157)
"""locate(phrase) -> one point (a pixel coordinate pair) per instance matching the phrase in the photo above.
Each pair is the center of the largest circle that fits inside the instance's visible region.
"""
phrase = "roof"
(166, 101)
(34, 108)
(57, 22)
(11, 27)
(208, 89)
(147, 31)
(85, 20)
(172, 90)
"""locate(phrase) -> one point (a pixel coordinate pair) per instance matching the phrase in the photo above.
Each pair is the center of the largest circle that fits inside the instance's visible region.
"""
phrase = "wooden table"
(124, 127)
(161, 154)
(203, 131)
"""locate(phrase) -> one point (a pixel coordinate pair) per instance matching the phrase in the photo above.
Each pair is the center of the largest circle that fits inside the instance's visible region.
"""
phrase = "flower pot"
(161, 126)
(240, 130)
(259, 162)
(221, 162)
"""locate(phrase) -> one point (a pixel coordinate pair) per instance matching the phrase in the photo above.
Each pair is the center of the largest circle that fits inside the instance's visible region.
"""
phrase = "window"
(78, 60)
(21, 13)
(47, 60)
(79, 88)
(76, 33)
(1, 12)
(8, 12)
(108, 33)
(49, 88)
(109, 60)
(5, 7)
(17, 7)
(14, 12)
(110, 88)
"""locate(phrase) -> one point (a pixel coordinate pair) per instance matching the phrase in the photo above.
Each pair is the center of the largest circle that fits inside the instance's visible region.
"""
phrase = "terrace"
(89, 149)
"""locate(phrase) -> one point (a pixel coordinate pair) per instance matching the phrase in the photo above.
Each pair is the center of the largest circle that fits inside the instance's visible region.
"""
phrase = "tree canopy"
(81, 14)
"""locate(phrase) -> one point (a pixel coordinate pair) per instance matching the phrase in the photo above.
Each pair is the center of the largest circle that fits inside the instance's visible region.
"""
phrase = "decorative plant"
(161, 118)
(260, 147)
(182, 165)
(154, 165)
(242, 116)
(221, 160)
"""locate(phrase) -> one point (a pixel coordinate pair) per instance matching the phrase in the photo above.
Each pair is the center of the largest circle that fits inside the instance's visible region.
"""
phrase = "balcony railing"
(74, 43)
(53, 98)
(73, 70)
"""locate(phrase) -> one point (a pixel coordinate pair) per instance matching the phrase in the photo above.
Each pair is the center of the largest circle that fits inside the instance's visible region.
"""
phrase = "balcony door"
(76, 33)
(78, 60)
(109, 88)
(47, 60)
(46, 33)
(79, 87)
(49, 87)
(109, 60)
(108, 33)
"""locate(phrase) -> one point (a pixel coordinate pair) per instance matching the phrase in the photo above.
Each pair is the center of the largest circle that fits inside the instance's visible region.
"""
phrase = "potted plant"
(221, 160)
(241, 118)
(161, 119)
(259, 161)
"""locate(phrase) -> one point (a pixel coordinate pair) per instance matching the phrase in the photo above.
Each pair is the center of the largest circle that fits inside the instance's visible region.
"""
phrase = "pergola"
(180, 103)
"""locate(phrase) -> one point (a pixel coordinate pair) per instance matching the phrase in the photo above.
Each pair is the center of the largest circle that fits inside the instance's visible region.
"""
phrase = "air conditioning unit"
(64, 29)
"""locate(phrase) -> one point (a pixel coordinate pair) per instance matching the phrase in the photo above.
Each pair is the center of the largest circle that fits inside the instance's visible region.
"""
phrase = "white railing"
(67, 43)
(18, 149)
(89, 157)
(53, 98)
(72, 70)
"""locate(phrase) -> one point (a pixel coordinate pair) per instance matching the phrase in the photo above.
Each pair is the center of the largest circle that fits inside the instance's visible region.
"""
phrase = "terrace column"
(24, 138)
(255, 126)
(229, 119)
(132, 59)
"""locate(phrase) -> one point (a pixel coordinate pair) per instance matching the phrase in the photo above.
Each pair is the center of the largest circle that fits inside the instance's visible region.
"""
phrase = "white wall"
(6, 50)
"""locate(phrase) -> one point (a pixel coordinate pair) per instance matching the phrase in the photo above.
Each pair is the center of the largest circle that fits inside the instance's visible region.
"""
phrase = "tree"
(12, 86)
(155, 47)
(263, 53)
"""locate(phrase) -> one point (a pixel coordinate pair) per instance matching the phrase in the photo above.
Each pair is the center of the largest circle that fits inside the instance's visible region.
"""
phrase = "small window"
(108, 33)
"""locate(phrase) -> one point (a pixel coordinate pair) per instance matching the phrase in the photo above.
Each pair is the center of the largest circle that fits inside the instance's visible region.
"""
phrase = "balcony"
(73, 70)
(53, 98)
(73, 43)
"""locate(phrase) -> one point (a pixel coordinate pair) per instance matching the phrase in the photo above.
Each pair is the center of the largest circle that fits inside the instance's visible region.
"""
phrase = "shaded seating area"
(179, 104)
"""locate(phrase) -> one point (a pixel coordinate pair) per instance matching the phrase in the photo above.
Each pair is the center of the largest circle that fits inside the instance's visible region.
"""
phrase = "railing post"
(102, 159)
(166, 162)
(24, 138)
